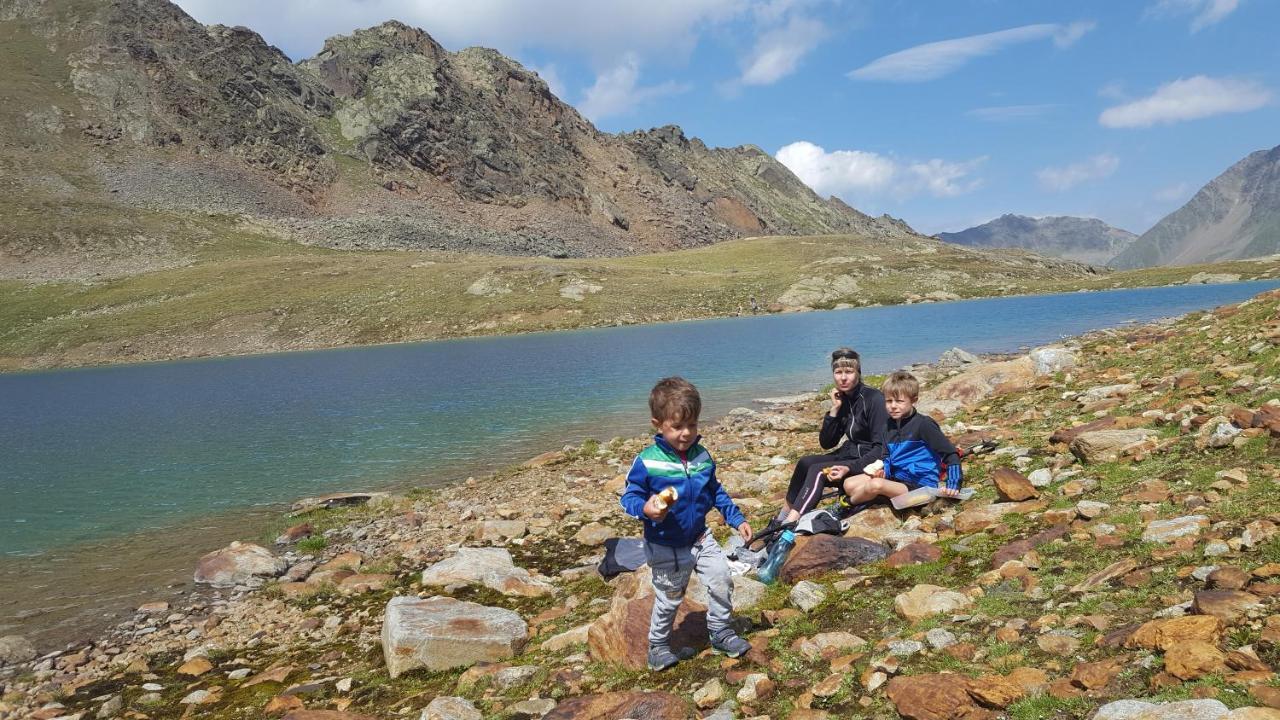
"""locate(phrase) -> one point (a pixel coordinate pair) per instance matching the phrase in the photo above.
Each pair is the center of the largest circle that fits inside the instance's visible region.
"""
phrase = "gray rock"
(1106, 445)
(1050, 360)
(16, 649)
(1182, 710)
(1223, 435)
(1164, 531)
(957, 356)
(939, 638)
(807, 595)
(439, 633)
(445, 707)
(491, 567)
(905, 648)
(1041, 478)
(748, 593)
(531, 708)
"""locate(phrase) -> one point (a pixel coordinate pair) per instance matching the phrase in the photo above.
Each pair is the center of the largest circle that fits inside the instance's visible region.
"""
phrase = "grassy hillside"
(238, 290)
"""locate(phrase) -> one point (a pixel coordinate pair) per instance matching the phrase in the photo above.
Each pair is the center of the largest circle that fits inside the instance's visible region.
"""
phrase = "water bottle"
(777, 556)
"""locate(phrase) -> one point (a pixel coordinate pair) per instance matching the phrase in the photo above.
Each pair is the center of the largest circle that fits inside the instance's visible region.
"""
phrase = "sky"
(945, 113)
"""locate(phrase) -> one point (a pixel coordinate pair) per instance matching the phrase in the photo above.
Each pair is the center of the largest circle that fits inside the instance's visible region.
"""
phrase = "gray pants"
(671, 568)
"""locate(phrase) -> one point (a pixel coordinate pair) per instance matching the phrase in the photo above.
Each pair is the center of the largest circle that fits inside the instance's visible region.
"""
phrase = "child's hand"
(653, 511)
(744, 531)
(948, 492)
(837, 472)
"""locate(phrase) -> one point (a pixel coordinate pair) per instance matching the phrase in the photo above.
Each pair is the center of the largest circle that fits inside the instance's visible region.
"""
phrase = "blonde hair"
(846, 357)
(901, 384)
(675, 399)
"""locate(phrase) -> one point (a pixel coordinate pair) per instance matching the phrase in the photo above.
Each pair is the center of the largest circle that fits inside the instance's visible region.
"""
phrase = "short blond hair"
(901, 384)
(675, 399)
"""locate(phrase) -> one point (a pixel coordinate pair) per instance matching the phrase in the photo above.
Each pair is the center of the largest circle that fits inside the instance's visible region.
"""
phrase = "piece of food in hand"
(874, 467)
(667, 497)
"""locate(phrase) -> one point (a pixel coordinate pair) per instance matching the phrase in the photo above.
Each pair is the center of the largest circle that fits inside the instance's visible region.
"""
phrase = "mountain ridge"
(1236, 215)
(1087, 240)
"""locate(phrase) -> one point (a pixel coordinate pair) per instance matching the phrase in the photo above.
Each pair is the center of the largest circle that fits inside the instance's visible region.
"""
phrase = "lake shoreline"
(136, 351)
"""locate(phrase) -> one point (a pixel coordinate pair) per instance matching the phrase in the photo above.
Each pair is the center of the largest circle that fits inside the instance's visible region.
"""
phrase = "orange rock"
(195, 667)
(1194, 659)
(996, 691)
(1167, 632)
(1095, 675)
(283, 704)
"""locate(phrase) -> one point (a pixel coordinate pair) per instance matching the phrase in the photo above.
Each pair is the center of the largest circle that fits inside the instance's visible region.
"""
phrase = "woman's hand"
(652, 511)
(836, 401)
(837, 472)
(744, 532)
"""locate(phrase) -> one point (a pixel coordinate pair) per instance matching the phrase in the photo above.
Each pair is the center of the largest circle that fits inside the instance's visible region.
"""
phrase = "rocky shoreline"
(1117, 562)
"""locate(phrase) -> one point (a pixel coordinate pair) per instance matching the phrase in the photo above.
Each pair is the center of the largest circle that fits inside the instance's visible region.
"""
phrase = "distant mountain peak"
(1236, 215)
(1087, 240)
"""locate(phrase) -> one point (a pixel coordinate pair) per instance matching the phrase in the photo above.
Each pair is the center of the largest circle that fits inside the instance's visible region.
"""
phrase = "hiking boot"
(727, 642)
(661, 657)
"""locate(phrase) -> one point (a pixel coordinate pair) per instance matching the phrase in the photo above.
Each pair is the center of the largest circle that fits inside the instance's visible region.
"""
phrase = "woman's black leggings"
(806, 483)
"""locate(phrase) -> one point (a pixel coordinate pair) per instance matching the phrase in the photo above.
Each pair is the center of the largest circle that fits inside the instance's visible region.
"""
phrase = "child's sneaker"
(662, 657)
(727, 642)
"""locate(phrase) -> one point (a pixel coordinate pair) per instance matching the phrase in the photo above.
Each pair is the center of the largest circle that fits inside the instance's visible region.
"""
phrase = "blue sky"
(944, 113)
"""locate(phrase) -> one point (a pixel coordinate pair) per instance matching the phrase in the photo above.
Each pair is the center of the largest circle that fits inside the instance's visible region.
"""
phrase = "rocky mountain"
(383, 140)
(1087, 240)
(1237, 215)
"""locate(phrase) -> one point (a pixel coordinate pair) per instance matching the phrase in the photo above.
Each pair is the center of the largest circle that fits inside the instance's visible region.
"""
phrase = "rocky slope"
(1119, 561)
(383, 140)
(1237, 215)
(1086, 240)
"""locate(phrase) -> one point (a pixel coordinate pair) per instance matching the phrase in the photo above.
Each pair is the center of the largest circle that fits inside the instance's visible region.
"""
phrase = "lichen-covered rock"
(439, 633)
(1107, 445)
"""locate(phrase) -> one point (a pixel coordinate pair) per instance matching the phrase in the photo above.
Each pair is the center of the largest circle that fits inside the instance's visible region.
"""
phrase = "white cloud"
(859, 174)
(1206, 12)
(616, 91)
(937, 59)
(1188, 99)
(777, 52)
(1010, 113)
(1067, 177)
(603, 31)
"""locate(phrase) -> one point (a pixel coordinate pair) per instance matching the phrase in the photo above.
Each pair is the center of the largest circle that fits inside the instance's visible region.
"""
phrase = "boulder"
(1165, 531)
(439, 633)
(1194, 659)
(621, 635)
(342, 499)
(491, 567)
(982, 381)
(16, 649)
(830, 644)
(935, 696)
(996, 691)
(816, 555)
(499, 530)
(1106, 575)
(1015, 550)
(1226, 605)
(807, 595)
(593, 534)
(923, 601)
(445, 707)
(1013, 486)
(1107, 445)
(874, 524)
(747, 592)
(1050, 360)
(610, 706)
(1165, 633)
(238, 564)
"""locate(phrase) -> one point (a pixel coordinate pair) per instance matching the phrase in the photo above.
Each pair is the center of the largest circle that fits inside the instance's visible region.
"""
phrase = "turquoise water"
(104, 452)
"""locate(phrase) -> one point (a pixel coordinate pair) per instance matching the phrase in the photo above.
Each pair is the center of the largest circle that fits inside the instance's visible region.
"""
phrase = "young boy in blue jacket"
(915, 449)
(676, 540)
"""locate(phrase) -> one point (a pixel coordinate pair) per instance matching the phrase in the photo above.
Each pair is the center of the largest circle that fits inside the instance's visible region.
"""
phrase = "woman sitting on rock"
(858, 419)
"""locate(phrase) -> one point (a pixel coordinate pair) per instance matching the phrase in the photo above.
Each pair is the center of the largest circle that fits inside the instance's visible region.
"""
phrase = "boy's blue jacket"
(916, 447)
(694, 477)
